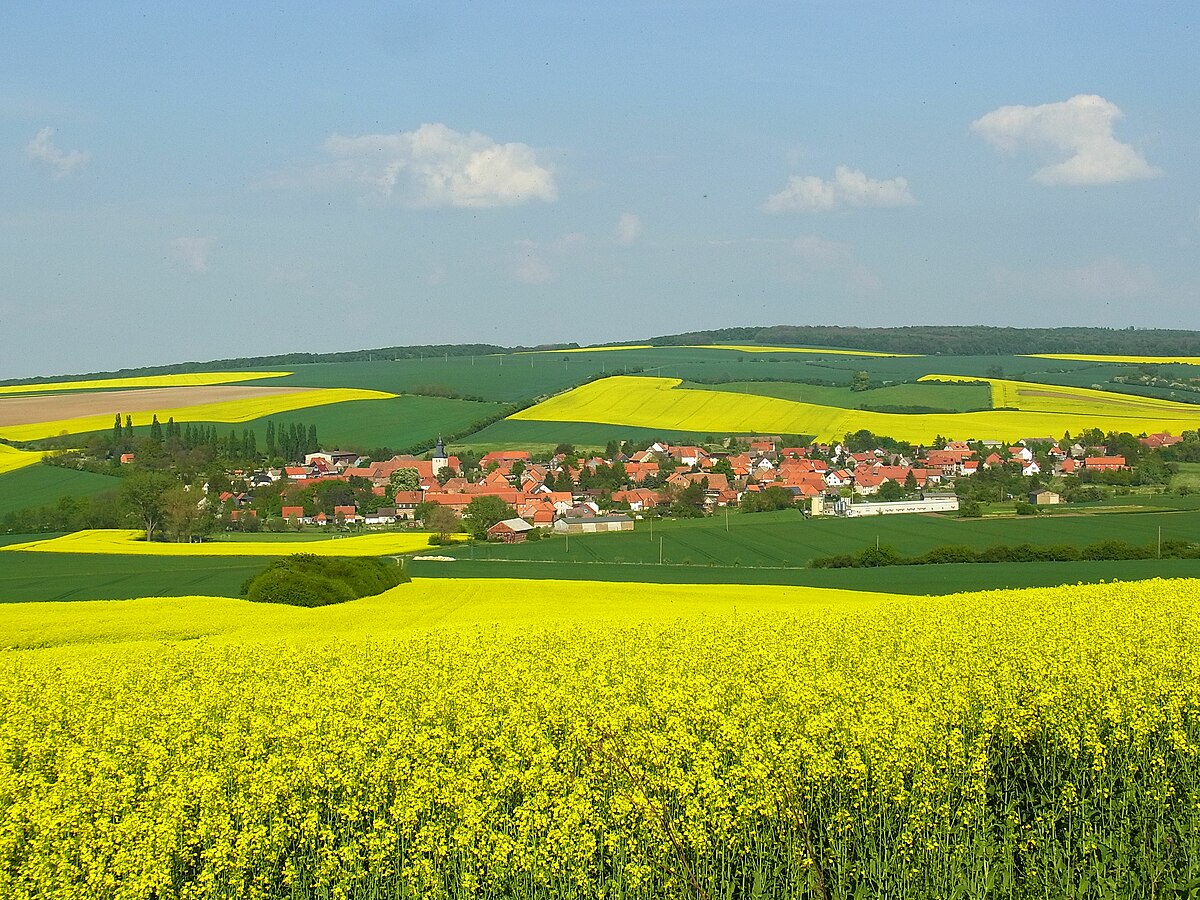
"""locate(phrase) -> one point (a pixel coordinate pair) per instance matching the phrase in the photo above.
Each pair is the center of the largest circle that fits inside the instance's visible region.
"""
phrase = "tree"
(910, 481)
(156, 432)
(143, 496)
(723, 467)
(405, 479)
(890, 491)
(182, 515)
(485, 511)
(771, 498)
(443, 521)
(861, 381)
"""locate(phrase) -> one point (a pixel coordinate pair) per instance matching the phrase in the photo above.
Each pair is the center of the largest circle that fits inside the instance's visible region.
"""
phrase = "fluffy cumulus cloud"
(629, 228)
(848, 187)
(192, 252)
(1080, 129)
(62, 163)
(438, 166)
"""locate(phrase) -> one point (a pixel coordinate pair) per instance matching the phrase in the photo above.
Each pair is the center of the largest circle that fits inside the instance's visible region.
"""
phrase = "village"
(568, 493)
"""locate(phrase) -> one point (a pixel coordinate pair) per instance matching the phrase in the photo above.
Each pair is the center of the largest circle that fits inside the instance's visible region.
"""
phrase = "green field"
(946, 397)
(786, 539)
(928, 580)
(545, 436)
(399, 422)
(762, 548)
(83, 576)
(43, 485)
(518, 377)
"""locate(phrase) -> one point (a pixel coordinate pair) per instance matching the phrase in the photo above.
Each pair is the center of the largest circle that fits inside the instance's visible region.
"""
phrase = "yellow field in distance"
(743, 348)
(189, 379)
(12, 459)
(750, 348)
(583, 349)
(223, 411)
(1059, 398)
(1134, 360)
(641, 401)
(132, 542)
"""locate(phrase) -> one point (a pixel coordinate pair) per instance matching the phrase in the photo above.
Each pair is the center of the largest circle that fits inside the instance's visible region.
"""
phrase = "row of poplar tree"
(290, 441)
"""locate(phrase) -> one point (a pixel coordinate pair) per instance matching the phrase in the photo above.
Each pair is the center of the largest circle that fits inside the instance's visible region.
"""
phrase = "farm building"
(592, 524)
(1044, 498)
(510, 531)
(842, 507)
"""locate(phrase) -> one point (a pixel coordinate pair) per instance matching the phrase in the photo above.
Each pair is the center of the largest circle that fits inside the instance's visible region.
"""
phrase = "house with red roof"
(1159, 439)
(1104, 463)
(294, 514)
(639, 499)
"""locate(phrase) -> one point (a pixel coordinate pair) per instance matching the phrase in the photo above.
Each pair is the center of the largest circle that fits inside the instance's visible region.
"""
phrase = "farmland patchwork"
(1042, 409)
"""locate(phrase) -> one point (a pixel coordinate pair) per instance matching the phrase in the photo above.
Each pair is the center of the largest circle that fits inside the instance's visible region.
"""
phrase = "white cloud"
(438, 166)
(193, 252)
(1080, 128)
(629, 228)
(848, 187)
(43, 149)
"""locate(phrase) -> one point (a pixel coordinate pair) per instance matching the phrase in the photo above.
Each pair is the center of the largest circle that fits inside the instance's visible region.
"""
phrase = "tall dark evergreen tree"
(156, 432)
(271, 437)
(128, 430)
(118, 437)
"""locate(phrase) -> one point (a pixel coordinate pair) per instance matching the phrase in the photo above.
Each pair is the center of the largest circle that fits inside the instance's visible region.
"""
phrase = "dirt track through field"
(53, 407)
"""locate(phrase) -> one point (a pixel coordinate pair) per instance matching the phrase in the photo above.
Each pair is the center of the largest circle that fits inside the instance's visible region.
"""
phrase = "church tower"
(439, 460)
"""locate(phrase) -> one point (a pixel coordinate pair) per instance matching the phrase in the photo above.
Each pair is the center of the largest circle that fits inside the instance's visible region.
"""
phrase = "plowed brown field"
(53, 407)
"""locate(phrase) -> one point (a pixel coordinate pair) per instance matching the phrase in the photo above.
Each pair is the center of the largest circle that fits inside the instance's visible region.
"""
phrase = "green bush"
(307, 580)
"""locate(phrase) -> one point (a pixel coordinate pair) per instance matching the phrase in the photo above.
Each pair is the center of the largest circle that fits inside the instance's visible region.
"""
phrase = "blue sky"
(196, 181)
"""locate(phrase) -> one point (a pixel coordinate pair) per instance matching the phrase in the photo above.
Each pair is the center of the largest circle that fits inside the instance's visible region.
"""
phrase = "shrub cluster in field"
(1024, 743)
(308, 580)
(871, 557)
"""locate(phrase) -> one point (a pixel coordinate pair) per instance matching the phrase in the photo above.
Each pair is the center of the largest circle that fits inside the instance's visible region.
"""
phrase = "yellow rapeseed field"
(190, 379)
(744, 348)
(586, 349)
(550, 739)
(134, 543)
(224, 411)
(661, 403)
(1134, 360)
(753, 348)
(12, 459)
(1029, 396)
